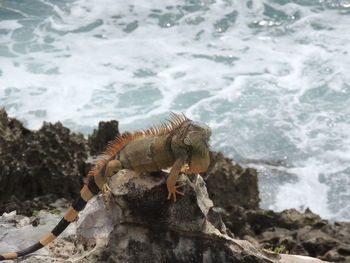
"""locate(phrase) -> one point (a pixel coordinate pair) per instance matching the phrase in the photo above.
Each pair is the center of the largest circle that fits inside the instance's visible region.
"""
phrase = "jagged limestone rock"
(228, 181)
(141, 225)
(106, 132)
(154, 229)
(49, 161)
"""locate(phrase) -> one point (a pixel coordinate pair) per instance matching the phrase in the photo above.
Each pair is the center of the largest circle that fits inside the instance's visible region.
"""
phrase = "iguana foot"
(172, 191)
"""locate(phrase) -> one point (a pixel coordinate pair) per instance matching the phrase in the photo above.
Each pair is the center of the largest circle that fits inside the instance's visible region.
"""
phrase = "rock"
(154, 229)
(95, 221)
(235, 190)
(18, 232)
(341, 230)
(300, 233)
(235, 218)
(215, 218)
(27, 207)
(298, 259)
(150, 228)
(260, 220)
(281, 238)
(37, 163)
(334, 256)
(106, 132)
(10, 129)
(142, 195)
(291, 219)
(143, 226)
(230, 184)
(316, 242)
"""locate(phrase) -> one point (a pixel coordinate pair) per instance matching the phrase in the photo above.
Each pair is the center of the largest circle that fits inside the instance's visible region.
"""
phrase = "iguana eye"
(187, 141)
(200, 125)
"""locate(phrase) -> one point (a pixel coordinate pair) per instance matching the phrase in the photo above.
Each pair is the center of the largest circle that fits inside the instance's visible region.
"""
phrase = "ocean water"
(271, 77)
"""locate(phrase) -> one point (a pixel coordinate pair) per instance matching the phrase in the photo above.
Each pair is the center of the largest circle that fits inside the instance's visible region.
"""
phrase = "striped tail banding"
(86, 193)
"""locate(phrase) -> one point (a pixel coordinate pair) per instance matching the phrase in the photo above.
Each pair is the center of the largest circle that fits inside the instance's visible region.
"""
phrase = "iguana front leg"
(172, 178)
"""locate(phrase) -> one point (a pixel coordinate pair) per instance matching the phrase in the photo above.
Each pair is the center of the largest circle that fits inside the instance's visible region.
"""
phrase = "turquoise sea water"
(271, 77)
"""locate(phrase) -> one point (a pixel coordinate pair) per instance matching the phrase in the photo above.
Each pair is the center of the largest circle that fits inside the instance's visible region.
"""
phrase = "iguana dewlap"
(179, 143)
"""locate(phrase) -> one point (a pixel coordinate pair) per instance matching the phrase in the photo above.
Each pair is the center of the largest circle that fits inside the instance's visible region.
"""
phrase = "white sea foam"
(269, 76)
(305, 193)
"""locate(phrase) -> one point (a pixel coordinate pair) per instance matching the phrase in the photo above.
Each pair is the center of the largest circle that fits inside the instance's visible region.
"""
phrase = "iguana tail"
(87, 192)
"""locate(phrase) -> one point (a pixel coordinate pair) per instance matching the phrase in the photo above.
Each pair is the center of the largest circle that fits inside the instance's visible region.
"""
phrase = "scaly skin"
(179, 144)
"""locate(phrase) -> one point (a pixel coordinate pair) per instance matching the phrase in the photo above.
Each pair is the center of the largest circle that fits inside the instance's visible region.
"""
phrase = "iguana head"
(194, 136)
(197, 137)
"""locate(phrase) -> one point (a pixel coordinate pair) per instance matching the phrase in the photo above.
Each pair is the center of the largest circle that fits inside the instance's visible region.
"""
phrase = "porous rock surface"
(231, 184)
(154, 229)
(38, 167)
(38, 163)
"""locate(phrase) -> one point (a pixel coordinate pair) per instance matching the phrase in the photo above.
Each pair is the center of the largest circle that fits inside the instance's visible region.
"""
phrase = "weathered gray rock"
(298, 259)
(150, 228)
(18, 232)
(154, 229)
(95, 221)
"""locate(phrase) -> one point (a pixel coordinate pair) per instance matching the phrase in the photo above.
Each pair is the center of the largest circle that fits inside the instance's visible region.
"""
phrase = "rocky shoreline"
(38, 167)
(290, 230)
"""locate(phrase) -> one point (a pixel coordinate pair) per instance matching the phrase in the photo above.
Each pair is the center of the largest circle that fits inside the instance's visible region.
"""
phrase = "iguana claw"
(172, 191)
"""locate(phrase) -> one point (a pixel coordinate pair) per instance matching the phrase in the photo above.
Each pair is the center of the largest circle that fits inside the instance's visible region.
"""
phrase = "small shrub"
(280, 250)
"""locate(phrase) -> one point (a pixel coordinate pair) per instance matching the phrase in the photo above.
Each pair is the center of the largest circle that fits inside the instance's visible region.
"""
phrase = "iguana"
(178, 143)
